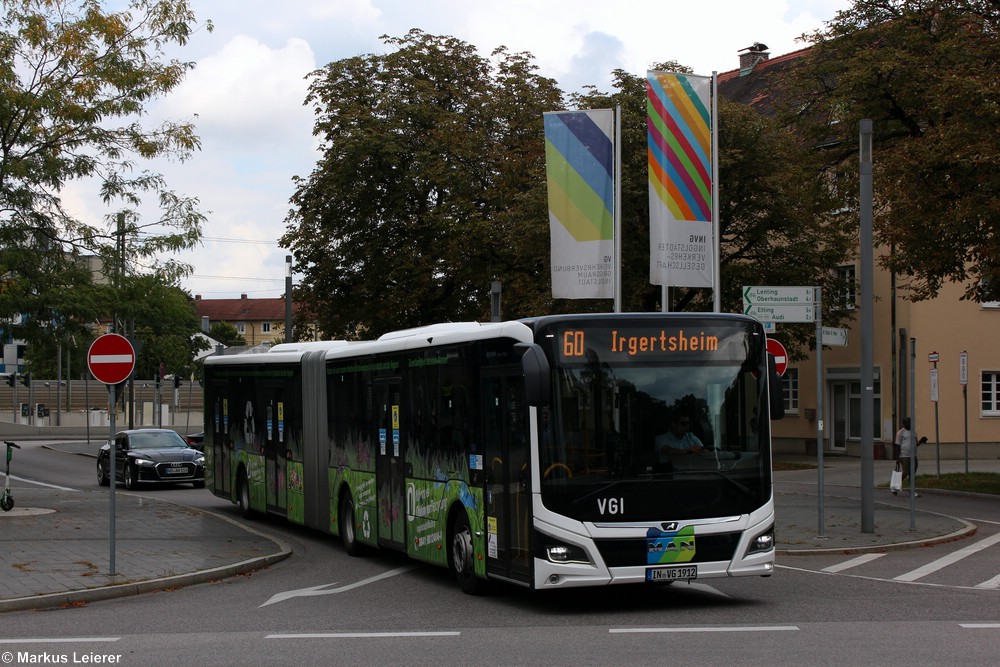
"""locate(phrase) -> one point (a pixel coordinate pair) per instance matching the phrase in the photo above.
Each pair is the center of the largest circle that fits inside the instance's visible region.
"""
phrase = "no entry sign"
(111, 359)
(777, 350)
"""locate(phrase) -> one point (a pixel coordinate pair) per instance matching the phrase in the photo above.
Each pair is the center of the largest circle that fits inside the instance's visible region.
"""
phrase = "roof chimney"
(751, 56)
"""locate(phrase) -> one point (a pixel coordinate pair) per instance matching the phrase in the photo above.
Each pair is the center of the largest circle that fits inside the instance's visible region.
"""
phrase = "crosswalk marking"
(854, 562)
(990, 583)
(950, 559)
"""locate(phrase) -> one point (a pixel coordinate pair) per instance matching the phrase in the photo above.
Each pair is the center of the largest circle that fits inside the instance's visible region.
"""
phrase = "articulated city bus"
(558, 451)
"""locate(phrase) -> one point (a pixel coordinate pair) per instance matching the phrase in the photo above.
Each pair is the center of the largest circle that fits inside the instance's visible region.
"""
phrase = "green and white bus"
(532, 452)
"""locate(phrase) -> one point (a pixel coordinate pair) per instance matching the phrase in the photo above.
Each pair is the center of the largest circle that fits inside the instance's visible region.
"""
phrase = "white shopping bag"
(896, 481)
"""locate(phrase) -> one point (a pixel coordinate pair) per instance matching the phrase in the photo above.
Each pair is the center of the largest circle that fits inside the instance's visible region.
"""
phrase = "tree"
(430, 186)
(226, 333)
(74, 84)
(775, 223)
(926, 72)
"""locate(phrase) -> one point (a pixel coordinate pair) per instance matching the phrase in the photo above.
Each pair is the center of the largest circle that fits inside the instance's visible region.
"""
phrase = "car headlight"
(199, 460)
(143, 462)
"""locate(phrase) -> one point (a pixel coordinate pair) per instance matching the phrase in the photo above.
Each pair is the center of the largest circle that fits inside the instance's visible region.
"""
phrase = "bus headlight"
(566, 553)
(763, 542)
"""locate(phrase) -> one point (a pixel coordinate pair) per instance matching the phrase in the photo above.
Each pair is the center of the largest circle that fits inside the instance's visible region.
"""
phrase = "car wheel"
(347, 528)
(102, 473)
(130, 480)
(243, 494)
(462, 556)
(199, 485)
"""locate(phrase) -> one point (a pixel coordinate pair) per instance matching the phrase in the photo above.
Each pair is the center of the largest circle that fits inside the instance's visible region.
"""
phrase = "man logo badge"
(669, 525)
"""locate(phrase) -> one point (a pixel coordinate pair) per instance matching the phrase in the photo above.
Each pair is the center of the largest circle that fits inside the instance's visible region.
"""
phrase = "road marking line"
(323, 590)
(951, 558)
(751, 628)
(59, 640)
(854, 562)
(51, 486)
(977, 626)
(362, 635)
(990, 583)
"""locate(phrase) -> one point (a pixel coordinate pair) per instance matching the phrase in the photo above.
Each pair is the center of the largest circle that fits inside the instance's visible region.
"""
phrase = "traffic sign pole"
(111, 360)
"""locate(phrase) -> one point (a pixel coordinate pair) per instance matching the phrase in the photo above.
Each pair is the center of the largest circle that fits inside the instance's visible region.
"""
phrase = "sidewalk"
(55, 543)
(798, 519)
(55, 547)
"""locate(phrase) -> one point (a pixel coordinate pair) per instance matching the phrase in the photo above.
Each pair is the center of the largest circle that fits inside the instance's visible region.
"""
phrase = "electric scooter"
(7, 500)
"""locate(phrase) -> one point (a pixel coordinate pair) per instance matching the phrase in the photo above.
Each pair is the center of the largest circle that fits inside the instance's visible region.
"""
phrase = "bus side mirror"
(535, 366)
(775, 392)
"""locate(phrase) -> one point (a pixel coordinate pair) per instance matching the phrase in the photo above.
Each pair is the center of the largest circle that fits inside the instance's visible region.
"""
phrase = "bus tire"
(462, 556)
(348, 534)
(243, 494)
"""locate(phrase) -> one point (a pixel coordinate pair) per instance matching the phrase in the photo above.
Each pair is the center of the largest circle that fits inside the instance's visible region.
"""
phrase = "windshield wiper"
(742, 487)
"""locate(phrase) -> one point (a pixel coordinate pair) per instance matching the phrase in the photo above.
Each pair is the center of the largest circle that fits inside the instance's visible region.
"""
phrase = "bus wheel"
(347, 534)
(462, 556)
(243, 494)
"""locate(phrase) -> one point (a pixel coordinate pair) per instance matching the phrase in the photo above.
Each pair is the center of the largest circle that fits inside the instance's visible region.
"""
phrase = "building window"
(265, 327)
(991, 393)
(790, 390)
(241, 328)
(846, 299)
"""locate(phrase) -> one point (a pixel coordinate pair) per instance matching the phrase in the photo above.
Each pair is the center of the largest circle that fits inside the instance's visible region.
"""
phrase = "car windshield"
(156, 440)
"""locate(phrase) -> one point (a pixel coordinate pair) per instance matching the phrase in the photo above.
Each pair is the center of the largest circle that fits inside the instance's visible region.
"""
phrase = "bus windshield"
(649, 423)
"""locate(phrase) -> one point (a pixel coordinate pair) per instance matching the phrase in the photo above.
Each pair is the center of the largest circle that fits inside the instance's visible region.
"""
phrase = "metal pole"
(913, 430)
(716, 226)
(617, 219)
(867, 333)
(288, 298)
(496, 291)
(113, 456)
(819, 408)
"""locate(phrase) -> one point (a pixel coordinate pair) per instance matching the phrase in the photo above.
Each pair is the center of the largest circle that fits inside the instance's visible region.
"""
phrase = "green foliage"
(431, 184)
(226, 333)
(927, 74)
(776, 227)
(74, 84)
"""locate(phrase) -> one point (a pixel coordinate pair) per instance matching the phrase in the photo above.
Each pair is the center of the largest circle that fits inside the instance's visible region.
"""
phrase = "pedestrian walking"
(906, 445)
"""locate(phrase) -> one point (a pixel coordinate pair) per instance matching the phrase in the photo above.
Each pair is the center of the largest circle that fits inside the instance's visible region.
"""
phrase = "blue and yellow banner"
(579, 163)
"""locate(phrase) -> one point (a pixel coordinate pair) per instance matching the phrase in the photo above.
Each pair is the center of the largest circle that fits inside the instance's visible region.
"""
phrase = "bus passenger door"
(389, 464)
(508, 477)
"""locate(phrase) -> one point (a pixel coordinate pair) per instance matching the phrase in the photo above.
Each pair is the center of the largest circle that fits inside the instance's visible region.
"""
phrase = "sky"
(246, 92)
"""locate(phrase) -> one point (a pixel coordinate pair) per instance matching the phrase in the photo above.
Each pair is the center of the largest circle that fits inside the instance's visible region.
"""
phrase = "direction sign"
(787, 296)
(783, 313)
(111, 359)
(834, 337)
(777, 350)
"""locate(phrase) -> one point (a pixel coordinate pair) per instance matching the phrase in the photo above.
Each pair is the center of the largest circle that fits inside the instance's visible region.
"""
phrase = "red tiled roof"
(757, 87)
(241, 310)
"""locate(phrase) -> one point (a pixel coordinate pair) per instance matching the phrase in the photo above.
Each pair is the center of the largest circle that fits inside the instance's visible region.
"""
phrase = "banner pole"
(617, 221)
(717, 238)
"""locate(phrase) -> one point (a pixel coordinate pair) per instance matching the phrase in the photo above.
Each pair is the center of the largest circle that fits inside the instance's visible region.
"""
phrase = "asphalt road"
(323, 607)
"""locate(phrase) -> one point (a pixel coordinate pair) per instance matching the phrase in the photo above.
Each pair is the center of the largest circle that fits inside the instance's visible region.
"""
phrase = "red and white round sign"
(111, 359)
(777, 350)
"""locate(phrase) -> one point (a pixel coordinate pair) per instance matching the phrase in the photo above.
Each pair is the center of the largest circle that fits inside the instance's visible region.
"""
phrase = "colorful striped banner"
(679, 149)
(579, 163)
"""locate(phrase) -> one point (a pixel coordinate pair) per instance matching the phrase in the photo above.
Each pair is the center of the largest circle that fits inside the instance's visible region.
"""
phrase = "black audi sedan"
(155, 456)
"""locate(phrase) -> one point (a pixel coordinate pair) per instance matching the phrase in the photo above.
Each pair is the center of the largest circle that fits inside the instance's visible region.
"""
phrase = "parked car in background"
(154, 456)
(196, 441)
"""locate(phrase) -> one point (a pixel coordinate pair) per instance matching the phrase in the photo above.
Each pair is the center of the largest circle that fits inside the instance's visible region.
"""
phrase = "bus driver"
(678, 440)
